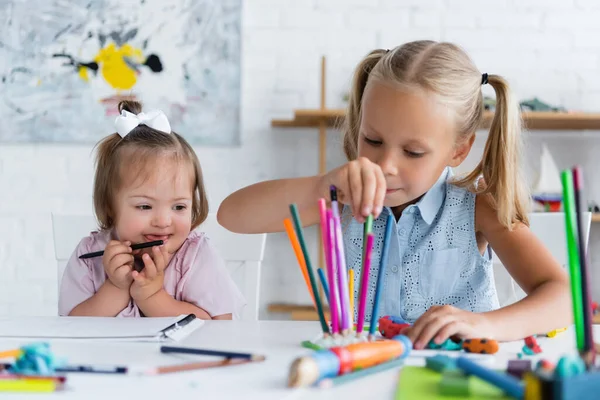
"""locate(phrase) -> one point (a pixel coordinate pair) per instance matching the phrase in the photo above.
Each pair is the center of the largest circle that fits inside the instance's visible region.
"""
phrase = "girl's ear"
(461, 151)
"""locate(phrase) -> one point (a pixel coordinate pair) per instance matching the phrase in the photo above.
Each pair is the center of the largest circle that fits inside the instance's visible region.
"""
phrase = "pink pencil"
(331, 275)
(346, 318)
(364, 284)
(328, 261)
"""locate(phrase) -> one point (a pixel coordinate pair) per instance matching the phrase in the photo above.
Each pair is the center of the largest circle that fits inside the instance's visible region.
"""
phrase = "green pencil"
(573, 252)
(309, 268)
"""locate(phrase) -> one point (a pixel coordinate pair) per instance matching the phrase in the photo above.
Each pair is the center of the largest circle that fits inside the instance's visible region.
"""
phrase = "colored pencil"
(289, 228)
(90, 369)
(136, 246)
(361, 373)
(344, 295)
(362, 304)
(327, 247)
(351, 290)
(381, 274)
(198, 365)
(583, 264)
(216, 353)
(11, 353)
(309, 268)
(571, 236)
(323, 280)
(331, 275)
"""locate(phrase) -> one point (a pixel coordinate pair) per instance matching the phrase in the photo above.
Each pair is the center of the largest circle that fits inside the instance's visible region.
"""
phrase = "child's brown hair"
(446, 71)
(141, 145)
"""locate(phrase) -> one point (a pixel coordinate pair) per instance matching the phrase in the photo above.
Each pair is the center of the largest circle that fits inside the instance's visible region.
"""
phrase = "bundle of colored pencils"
(338, 282)
(572, 181)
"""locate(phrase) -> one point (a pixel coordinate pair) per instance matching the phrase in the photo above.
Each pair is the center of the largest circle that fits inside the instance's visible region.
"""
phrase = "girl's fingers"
(369, 186)
(149, 267)
(158, 258)
(121, 260)
(165, 257)
(355, 187)
(380, 192)
(450, 329)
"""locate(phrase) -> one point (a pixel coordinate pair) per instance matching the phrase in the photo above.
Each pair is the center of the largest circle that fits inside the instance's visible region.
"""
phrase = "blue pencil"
(382, 265)
(324, 283)
(509, 384)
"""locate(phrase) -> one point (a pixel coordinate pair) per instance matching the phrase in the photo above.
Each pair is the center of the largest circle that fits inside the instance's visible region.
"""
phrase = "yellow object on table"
(555, 332)
(29, 385)
(10, 353)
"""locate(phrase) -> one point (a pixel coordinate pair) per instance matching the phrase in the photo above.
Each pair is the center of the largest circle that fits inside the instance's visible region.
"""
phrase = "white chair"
(243, 254)
(549, 227)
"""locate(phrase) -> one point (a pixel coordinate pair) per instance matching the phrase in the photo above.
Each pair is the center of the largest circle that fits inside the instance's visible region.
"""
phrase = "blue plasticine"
(509, 384)
(569, 366)
(36, 359)
(448, 345)
(440, 363)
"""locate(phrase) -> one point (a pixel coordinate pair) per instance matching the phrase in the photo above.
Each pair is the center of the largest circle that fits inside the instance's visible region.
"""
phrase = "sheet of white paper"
(89, 327)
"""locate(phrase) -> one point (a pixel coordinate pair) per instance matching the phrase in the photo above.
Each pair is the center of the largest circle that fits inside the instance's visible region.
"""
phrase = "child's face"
(158, 207)
(410, 137)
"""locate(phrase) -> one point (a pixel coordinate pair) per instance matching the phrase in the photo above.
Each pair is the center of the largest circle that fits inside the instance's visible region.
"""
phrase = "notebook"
(100, 328)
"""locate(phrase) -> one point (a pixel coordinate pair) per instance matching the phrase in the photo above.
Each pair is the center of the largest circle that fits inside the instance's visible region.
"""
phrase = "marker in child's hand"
(136, 246)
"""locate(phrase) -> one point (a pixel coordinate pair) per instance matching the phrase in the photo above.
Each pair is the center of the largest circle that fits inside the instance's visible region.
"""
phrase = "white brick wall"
(546, 48)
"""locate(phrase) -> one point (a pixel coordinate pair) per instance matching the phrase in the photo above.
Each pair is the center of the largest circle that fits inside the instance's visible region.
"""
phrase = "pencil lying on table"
(216, 353)
(136, 246)
(197, 365)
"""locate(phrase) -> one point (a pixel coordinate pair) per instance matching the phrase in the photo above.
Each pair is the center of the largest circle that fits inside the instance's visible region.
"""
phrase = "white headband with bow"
(155, 119)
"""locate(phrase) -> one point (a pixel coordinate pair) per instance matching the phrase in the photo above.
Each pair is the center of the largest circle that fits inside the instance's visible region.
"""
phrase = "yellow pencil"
(29, 385)
(351, 292)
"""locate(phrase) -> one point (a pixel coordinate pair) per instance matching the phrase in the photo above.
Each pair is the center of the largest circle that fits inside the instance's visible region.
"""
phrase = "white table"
(278, 340)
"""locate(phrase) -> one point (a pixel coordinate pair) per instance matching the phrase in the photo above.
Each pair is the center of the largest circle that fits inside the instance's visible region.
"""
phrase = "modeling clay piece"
(440, 363)
(448, 345)
(532, 345)
(518, 368)
(545, 365)
(454, 383)
(569, 366)
(35, 359)
(390, 326)
(555, 332)
(484, 346)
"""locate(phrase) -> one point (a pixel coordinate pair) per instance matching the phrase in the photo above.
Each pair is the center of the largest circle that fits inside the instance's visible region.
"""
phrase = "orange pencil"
(197, 365)
(10, 353)
(289, 228)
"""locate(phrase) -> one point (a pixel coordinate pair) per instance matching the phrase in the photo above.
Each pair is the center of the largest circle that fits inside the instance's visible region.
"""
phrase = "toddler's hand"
(118, 262)
(360, 184)
(441, 322)
(150, 280)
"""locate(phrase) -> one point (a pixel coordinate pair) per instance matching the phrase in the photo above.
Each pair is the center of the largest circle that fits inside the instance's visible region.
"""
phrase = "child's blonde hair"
(136, 150)
(447, 72)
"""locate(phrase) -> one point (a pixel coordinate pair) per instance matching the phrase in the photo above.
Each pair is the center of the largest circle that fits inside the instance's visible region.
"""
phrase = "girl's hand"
(441, 322)
(118, 263)
(360, 184)
(150, 280)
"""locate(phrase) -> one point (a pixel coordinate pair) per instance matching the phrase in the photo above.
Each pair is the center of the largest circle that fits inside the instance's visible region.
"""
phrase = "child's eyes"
(413, 154)
(373, 142)
(144, 207)
(180, 207)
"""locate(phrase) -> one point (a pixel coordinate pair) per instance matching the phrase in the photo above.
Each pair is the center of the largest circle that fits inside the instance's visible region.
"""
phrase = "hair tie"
(484, 78)
(156, 119)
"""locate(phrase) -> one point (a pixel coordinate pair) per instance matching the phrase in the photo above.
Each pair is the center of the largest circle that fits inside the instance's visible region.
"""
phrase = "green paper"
(423, 383)
(573, 252)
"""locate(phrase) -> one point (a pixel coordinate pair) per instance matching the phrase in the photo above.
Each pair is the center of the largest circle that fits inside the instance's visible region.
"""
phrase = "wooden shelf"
(596, 217)
(312, 118)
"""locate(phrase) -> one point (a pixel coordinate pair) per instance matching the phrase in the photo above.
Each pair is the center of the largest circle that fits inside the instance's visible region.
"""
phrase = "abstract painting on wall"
(65, 65)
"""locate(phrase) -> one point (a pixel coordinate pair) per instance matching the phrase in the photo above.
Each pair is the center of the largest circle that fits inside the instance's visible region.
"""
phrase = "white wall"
(546, 48)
